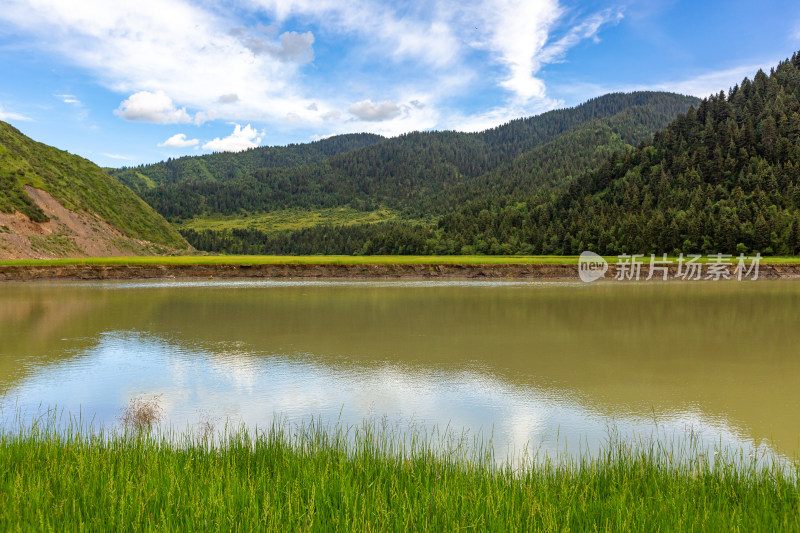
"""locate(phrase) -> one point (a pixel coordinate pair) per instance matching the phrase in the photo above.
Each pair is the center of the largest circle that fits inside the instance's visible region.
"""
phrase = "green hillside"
(553, 164)
(224, 166)
(78, 184)
(419, 174)
(724, 178)
(417, 177)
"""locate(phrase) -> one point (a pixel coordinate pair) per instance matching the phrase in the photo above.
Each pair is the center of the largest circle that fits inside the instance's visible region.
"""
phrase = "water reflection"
(547, 365)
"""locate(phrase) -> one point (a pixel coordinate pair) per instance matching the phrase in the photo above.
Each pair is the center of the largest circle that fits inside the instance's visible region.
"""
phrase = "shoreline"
(432, 271)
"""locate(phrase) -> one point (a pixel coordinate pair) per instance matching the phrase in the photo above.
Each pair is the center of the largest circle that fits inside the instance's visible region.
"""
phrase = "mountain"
(224, 166)
(722, 178)
(410, 180)
(553, 164)
(55, 204)
(419, 174)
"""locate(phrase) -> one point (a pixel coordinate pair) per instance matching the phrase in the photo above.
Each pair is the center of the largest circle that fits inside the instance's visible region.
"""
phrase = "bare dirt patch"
(67, 234)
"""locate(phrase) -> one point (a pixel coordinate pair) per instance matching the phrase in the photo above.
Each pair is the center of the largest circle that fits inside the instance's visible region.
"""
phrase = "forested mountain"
(518, 136)
(423, 175)
(553, 164)
(53, 203)
(722, 178)
(223, 166)
(419, 174)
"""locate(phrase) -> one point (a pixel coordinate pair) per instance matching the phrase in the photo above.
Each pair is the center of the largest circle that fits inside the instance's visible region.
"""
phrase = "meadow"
(288, 219)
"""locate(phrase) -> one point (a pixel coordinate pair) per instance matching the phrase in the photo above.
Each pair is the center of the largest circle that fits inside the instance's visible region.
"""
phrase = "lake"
(555, 367)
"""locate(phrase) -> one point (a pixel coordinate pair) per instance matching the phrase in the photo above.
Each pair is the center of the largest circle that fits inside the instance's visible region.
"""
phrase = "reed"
(64, 477)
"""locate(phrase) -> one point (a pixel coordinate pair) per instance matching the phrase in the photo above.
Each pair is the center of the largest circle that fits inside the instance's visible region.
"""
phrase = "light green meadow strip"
(301, 259)
(343, 259)
(367, 480)
(289, 219)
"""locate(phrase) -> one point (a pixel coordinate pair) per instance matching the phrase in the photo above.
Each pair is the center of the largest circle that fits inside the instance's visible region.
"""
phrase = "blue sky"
(124, 83)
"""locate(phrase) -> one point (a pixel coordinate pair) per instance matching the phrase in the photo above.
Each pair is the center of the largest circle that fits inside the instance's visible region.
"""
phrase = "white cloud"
(170, 47)
(421, 117)
(179, 140)
(588, 29)
(371, 112)
(296, 46)
(8, 115)
(171, 56)
(707, 83)
(240, 139)
(69, 99)
(229, 98)
(119, 156)
(202, 117)
(493, 117)
(81, 111)
(519, 31)
(520, 35)
(154, 107)
(322, 137)
(701, 85)
(400, 35)
(290, 46)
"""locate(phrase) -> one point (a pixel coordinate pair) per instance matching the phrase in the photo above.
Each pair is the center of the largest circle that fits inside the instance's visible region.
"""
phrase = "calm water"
(551, 365)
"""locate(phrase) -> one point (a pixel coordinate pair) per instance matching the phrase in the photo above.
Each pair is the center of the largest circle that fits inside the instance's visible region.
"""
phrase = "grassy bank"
(366, 480)
(340, 259)
(299, 259)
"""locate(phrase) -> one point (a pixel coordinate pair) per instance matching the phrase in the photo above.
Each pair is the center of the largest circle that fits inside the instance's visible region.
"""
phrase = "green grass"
(368, 479)
(289, 219)
(338, 260)
(302, 259)
(149, 183)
